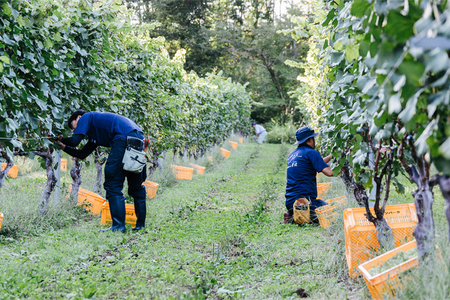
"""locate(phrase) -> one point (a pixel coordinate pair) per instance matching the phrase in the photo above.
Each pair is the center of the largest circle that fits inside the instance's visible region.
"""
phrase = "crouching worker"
(124, 137)
(302, 167)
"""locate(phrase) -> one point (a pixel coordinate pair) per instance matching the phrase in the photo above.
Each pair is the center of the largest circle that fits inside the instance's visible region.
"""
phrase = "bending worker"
(302, 167)
(260, 132)
(117, 132)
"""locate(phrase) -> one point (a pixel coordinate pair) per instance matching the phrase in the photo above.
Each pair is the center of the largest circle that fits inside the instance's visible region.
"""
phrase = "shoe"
(117, 209)
(286, 218)
(140, 210)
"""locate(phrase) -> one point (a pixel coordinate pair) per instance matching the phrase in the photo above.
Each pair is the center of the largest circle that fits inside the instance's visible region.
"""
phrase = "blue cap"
(304, 133)
(253, 123)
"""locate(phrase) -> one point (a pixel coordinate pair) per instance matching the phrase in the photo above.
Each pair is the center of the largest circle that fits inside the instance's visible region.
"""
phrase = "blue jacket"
(302, 167)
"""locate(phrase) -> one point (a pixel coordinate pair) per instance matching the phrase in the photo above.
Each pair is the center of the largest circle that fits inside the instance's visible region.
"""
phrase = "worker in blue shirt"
(302, 167)
(110, 130)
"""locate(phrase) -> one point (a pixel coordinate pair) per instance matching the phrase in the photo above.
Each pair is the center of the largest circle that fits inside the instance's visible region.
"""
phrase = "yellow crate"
(338, 201)
(93, 201)
(328, 213)
(386, 282)
(361, 236)
(182, 172)
(12, 173)
(1, 220)
(199, 169)
(225, 153)
(210, 158)
(241, 140)
(130, 215)
(322, 188)
(234, 145)
(151, 188)
(63, 164)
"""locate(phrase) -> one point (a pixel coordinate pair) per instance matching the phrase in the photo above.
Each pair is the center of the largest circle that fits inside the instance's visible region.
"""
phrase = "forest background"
(250, 40)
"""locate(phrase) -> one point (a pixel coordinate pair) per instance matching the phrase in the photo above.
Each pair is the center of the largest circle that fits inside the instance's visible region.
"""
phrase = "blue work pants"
(115, 175)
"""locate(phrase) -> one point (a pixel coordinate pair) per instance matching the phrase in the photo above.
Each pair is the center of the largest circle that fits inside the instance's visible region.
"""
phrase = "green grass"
(219, 236)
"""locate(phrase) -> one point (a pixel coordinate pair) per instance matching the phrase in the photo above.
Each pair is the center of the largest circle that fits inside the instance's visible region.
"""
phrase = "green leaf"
(351, 53)
(413, 70)
(5, 59)
(359, 8)
(331, 14)
(398, 26)
(336, 58)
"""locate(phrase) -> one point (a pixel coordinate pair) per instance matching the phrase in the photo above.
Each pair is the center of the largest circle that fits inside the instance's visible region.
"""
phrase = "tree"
(385, 84)
(185, 25)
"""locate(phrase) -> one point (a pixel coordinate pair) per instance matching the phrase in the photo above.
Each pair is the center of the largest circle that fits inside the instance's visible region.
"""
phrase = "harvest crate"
(151, 188)
(93, 201)
(338, 201)
(210, 158)
(63, 164)
(385, 282)
(361, 236)
(328, 213)
(322, 188)
(130, 216)
(182, 172)
(1, 220)
(12, 173)
(199, 169)
(225, 153)
(234, 145)
(241, 140)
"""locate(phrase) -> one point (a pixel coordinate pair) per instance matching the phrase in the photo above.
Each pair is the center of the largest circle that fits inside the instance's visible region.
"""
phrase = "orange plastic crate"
(182, 172)
(151, 188)
(130, 215)
(241, 140)
(199, 169)
(63, 164)
(338, 201)
(387, 281)
(1, 220)
(225, 153)
(361, 236)
(93, 201)
(234, 145)
(328, 213)
(210, 158)
(12, 173)
(322, 188)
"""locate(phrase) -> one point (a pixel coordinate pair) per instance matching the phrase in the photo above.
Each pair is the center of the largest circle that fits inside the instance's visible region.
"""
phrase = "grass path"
(219, 235)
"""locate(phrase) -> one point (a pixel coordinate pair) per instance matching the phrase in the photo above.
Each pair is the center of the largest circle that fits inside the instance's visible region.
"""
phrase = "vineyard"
(373, 81)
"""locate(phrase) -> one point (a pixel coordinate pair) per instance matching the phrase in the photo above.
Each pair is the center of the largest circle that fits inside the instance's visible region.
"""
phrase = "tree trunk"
(50, 185)
(9, 164)
(358, 192)
(99, 162)
(272, 75)
(75, 173)
(98, 180)
(384, 234)
(423, 200)
(424, 231)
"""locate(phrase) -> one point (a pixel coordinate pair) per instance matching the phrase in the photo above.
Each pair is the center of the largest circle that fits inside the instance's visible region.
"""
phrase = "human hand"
(61, 144)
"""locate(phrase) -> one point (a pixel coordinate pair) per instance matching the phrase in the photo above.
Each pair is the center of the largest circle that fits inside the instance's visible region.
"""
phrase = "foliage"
(388, 107)
(183, 24)
(57, 57)
(310, 94)
(280, 134)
